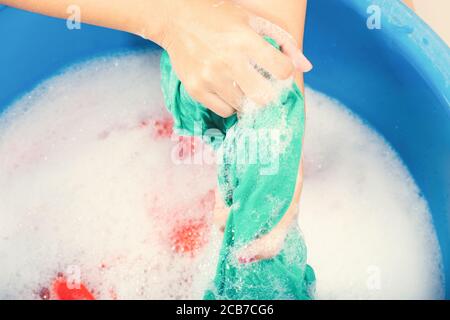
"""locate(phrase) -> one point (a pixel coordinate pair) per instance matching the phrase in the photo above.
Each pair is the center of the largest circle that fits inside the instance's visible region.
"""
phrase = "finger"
(255, 258)
(217, 105)
(270, 59)
(228, 90)
(286, 42)
(255, 87)
(246, 255)
(251, 252)
(245, 260)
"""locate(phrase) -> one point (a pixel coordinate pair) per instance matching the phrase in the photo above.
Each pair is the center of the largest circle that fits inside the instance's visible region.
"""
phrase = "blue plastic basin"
(396, 78)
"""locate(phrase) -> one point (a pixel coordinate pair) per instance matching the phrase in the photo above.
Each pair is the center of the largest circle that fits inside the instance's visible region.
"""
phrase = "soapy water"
(93, 205)
(369, 232)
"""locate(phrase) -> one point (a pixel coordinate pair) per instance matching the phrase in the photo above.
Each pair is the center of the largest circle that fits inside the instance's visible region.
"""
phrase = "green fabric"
(258, 188)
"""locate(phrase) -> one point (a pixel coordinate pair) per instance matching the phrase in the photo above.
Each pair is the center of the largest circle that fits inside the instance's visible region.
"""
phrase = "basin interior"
(377, 77)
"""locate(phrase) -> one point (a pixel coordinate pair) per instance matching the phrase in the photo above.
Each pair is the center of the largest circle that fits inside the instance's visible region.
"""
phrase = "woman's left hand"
(270, 244)
(265, 247)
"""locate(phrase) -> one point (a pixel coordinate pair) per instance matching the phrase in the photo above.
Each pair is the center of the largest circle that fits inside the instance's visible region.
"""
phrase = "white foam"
(369, 233)
(85, 185)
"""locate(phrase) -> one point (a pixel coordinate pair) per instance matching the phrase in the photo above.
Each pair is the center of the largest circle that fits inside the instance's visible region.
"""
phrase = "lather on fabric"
(260, 152)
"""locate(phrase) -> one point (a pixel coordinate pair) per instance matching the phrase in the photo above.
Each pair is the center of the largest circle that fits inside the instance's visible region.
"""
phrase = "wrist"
(154, 21)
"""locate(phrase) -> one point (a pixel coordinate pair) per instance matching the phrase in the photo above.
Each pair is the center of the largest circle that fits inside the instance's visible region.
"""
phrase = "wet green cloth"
(260, 153)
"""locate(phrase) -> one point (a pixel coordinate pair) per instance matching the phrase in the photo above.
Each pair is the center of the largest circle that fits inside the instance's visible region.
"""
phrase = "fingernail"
(246, 260)
(302, 64)
(242, 260)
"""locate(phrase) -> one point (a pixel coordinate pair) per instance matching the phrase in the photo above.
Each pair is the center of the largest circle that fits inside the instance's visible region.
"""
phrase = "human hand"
(216, 49)
(270, 244)
(220, 212)
(265, 247)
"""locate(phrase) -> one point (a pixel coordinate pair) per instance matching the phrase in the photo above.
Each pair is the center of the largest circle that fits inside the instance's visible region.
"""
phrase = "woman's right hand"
(214, 47)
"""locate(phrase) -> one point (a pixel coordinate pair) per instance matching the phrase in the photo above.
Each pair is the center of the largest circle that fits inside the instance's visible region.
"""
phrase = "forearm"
(143, 17)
